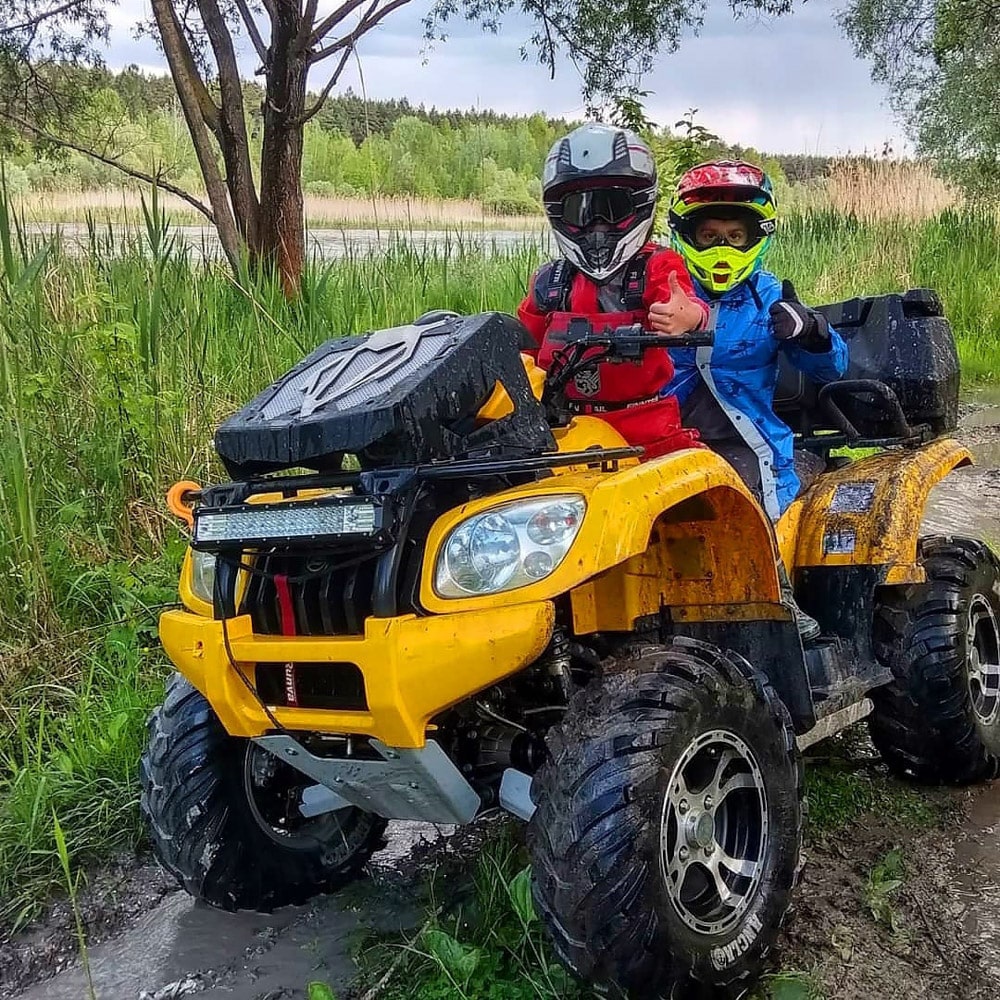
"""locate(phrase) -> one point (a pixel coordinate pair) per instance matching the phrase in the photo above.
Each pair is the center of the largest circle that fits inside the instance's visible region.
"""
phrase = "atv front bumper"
(413, 668)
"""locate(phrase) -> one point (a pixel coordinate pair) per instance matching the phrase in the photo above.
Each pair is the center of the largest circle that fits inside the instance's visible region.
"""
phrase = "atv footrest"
(836, 677)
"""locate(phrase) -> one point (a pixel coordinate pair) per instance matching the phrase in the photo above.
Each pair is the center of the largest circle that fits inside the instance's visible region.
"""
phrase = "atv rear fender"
(869, 512)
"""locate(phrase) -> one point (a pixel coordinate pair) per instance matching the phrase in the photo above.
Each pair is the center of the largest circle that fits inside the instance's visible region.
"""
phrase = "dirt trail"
(157, 944)
(179, 948)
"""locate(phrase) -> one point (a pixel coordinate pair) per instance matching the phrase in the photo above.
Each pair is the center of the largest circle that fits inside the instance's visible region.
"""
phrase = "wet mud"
(150, 941)
(936, 939)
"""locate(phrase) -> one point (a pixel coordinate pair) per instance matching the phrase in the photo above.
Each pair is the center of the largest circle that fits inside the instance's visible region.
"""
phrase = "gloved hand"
(796, 323)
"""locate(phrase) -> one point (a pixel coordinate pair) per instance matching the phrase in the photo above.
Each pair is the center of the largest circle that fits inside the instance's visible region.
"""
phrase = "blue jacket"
(744, 364)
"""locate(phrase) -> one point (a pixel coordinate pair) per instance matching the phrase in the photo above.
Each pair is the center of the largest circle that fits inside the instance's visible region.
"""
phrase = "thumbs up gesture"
(792, 321)
(679, 314)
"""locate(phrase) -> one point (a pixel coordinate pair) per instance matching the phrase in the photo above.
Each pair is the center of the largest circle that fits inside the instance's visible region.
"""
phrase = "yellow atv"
(502, 605)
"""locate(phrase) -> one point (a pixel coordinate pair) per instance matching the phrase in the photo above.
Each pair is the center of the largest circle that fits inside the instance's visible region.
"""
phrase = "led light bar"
(343, 519)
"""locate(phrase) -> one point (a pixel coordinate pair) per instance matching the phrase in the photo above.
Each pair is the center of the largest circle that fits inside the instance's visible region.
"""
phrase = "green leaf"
(459, 959)
(791, 987)
(320, 991)
(519, 891)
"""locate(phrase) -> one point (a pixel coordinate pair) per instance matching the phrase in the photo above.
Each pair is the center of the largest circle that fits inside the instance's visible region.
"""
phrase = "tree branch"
(253, 31)
(34, 22)
(111, 162)
(331, 21)
(305, 30)
(325, 92)
(232, 131)
(366, 24)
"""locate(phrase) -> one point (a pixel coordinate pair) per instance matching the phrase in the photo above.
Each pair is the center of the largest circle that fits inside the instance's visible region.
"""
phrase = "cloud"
(790, 84)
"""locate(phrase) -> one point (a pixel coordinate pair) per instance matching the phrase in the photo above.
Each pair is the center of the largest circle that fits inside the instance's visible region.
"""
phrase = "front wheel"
(938, 722)
(224, 816)
(665, 845)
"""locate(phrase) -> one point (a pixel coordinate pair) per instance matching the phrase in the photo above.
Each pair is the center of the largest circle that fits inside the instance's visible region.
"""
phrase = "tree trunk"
(201, 114)
(232, 128)
(282, 223)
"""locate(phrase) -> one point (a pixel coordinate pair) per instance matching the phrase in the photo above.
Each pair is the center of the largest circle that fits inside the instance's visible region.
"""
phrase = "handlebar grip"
(701, 339)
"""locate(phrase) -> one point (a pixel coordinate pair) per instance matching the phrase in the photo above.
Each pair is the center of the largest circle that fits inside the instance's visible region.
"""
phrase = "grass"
(789, 985)
(837, 795)
(483, 941)
(119, 357)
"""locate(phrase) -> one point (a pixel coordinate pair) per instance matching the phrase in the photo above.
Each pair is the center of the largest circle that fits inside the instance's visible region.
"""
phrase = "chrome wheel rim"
(714, 832)
(982, 640)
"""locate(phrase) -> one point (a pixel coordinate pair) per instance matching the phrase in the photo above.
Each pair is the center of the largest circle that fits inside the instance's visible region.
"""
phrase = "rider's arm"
(823, 358)
(531, 316)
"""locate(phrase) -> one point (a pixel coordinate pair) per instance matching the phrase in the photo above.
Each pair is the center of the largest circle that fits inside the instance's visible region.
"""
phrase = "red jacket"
(626, 395)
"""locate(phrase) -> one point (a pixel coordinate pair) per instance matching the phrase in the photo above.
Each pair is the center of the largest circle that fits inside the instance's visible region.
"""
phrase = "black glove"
(795, 323)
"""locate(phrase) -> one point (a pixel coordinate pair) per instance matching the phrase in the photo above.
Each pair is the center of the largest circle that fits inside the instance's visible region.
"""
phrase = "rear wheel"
(224, 815)
(939, 721)
(666, 840)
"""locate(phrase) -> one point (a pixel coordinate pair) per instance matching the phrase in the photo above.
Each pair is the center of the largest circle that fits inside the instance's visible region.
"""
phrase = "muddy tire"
(939, 721)
(665, 845)
(223, 815)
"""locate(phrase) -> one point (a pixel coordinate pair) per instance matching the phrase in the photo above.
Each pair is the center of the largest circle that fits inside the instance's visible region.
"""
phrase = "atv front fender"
(681, 531)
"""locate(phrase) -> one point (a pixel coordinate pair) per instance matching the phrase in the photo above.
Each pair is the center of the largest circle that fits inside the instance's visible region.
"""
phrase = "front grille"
(334, 600)
(331, 686)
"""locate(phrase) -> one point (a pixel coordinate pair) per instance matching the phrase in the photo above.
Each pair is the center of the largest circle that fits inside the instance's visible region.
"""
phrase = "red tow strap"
(286, 612)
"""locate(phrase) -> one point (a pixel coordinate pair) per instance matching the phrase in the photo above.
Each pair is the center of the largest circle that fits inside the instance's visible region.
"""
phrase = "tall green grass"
(833, 257)
(118, 360)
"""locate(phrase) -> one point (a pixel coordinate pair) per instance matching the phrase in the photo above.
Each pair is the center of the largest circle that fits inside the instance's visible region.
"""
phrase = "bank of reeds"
(116, 364)
(322, 211)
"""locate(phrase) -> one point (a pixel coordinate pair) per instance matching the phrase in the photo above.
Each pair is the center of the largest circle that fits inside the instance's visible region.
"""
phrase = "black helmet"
(599, 188)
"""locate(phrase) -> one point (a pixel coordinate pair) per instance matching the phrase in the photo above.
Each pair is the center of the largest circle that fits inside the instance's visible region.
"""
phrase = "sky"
(790, 85)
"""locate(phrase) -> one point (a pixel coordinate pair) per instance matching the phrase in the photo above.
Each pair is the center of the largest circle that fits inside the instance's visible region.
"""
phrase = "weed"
(319, 991)
(71, 886)
(488, 946)
(884, 881)
(789, 985)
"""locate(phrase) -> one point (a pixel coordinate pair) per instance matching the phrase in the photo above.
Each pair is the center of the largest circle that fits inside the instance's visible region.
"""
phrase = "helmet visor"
(611, 205)
(732, 195)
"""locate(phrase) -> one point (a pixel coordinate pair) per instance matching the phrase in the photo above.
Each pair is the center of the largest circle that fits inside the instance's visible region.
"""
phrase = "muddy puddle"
(968, 500)
(976, 865)
(178, 948)
(152, 942)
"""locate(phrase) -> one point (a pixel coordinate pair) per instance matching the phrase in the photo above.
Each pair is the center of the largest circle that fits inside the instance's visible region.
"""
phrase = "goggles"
(737, 242)
(611, 205)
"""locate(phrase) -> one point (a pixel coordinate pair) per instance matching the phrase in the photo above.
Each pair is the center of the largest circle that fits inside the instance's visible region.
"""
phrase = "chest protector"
(563, 294)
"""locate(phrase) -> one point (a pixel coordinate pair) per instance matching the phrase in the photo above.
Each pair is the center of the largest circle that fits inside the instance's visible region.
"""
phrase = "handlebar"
(630, 341)
(583, 348)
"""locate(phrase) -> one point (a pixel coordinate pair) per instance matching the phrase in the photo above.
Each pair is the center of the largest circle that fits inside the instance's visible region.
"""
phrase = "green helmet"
(726, 190)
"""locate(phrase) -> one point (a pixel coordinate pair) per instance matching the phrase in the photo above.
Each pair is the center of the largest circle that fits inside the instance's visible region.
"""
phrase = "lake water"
(327, 244)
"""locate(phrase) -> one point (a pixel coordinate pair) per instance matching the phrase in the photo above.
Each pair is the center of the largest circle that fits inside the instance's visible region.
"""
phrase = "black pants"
(743, 459)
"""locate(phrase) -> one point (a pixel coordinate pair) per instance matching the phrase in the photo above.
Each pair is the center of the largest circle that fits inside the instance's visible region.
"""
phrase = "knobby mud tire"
(924, 723)
(595, 837)
(204, 831)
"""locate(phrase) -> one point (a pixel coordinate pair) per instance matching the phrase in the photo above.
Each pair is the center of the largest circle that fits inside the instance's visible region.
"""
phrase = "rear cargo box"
(903, 341)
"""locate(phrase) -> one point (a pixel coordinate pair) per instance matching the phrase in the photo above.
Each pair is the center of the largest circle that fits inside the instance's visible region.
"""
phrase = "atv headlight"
(203, 575)
(508, 547)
